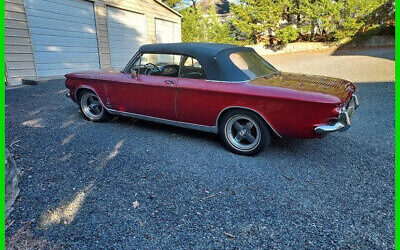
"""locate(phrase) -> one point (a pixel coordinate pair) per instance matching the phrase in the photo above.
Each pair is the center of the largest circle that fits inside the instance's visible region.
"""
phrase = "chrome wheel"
(91, 106)
(242, 132)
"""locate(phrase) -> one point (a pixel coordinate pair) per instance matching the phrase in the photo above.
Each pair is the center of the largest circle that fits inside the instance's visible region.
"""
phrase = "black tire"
(98, 114)
(238, 139)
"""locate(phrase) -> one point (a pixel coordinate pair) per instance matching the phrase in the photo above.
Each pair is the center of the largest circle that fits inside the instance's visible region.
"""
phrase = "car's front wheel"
(92, 108)
(244, 132)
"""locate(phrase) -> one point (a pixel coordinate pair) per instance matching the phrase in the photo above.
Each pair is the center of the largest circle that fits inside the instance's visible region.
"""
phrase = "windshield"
(252, 64)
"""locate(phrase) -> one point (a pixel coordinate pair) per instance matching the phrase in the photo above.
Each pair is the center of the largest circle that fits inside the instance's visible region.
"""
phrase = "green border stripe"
(2, 128)
(397, 128)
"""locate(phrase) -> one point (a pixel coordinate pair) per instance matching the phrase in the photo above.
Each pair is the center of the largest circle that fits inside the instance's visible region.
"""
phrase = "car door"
(148, 92)
(197, 101)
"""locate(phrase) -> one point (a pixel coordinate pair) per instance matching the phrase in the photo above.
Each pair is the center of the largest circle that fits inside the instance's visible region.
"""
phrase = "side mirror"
(133, 73)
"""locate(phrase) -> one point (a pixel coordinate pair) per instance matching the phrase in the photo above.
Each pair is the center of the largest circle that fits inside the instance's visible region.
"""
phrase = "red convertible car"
(219, 88)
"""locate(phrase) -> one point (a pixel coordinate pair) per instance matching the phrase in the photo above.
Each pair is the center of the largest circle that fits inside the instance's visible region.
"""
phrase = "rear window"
(253, 65)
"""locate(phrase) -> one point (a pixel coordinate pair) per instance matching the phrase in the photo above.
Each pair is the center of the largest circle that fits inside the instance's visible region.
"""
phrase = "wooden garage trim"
(100, 13)
(121, 7)
(169, 8)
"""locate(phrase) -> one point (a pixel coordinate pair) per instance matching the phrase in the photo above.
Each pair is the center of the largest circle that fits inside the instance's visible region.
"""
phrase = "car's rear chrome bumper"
(343, 122)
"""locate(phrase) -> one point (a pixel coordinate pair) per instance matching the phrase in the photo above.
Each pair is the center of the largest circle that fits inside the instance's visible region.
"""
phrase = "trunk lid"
(339, 88)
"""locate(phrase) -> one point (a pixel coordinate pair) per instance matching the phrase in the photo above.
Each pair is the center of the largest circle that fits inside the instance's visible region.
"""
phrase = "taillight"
(335, 111)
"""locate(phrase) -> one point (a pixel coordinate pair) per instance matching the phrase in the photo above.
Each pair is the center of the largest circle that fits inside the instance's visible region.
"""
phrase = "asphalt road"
(132, 184)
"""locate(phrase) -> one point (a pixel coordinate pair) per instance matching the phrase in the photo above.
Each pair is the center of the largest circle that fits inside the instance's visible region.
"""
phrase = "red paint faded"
(291, 110)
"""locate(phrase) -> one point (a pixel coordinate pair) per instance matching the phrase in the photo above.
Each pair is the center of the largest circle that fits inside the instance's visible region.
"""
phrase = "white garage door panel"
(164, 31)
(67, 65)
(64, 41)
(63, 34)
(167, 32)
(47, 23)
(62, 56)
(119, 34)
(76, 7)
(126, 33)
(124, 42)
(60, 16)
(62, 67)
(177, 33)
(44, 48)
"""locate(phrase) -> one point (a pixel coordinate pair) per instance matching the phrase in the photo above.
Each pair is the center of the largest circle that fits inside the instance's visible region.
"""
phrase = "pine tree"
(217, 32)
(252, 18)
(319, 16)
(193, 25)
(353, 14)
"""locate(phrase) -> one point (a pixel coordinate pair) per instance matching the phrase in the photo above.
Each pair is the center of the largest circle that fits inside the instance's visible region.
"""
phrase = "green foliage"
(319, 15)
(353, 13)
(197, 27)
(252, 18)
(217, 32)
(332, 19)
(287, 34)
(193, 25)
(348, 28)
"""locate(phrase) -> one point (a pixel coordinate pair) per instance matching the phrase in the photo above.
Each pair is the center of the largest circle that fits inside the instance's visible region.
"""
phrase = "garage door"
(126, 33)
(63, 34)
(167, 32)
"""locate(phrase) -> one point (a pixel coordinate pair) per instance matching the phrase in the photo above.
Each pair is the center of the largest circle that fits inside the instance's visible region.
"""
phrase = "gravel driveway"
(133, 184)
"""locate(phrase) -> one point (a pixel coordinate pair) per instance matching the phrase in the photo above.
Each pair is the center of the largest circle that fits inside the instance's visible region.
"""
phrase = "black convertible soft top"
(213, 57)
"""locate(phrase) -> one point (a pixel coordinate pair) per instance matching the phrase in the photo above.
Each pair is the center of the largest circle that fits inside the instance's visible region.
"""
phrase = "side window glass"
(188, 62)
(196, 63)
(191, 68)
(158, 65)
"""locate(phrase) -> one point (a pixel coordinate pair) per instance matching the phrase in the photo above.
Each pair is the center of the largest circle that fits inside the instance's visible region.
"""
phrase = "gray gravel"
(337, 192)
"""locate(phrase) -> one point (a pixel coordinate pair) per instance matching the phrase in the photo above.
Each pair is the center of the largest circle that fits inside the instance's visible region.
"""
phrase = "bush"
(253, 18)
(197, 27)
(287, 35)
(193, 25)
(357, 13)
(216, 31)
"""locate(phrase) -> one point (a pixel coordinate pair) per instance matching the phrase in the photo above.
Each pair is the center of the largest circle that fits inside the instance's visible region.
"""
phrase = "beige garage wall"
(17, 43)
(18, 48)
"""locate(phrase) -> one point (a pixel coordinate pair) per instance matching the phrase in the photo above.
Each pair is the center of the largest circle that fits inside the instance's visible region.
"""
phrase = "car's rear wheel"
(244, 132)
(92, 108)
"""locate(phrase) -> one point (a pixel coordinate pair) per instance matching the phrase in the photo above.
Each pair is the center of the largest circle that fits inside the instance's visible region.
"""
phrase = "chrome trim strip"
(210, 129)
(356, 102)
(240, 107)
(245, 81)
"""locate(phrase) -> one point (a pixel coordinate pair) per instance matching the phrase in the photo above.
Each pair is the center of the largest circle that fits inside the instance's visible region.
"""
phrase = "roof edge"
(169, 8)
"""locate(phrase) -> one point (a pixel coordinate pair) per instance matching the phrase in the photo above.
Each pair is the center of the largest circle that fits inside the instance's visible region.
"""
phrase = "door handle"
(169, 82)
